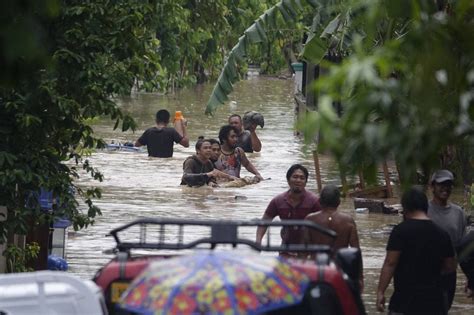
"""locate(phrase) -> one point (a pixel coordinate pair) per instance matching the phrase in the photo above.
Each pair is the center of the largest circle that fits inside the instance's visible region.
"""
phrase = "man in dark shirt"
(160, 139)
(294, 204)
(418, 253)
(247, 139)
(199, 170)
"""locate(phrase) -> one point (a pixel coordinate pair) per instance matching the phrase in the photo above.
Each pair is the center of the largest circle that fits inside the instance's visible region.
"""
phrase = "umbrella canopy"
(217, 283)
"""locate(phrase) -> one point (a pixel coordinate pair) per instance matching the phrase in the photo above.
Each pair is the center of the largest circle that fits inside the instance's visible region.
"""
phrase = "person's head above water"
(297, 176)
(163, 116)
(226, 132)
(236, 121)
(294, 168)
(199, 142)
(215, 148)
(330, 197)
(203, 148)
(214, 142)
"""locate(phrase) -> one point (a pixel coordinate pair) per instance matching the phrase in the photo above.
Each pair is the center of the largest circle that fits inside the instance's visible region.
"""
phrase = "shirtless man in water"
(331, 218)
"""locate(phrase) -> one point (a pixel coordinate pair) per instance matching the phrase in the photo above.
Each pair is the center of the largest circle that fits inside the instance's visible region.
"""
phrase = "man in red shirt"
(294, 204)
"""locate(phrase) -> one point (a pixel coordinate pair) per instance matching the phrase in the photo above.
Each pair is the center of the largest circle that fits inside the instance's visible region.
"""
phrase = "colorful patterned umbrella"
(215, 282)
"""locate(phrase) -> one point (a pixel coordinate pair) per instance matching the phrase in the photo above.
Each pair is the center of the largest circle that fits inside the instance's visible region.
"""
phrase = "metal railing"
(221, 232)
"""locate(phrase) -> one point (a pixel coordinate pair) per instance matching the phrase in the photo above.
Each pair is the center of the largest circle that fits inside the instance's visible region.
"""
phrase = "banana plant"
(289, 10)
(321, 38)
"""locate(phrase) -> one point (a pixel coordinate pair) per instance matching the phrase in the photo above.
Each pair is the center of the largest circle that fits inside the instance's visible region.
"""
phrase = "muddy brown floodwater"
(138, 186)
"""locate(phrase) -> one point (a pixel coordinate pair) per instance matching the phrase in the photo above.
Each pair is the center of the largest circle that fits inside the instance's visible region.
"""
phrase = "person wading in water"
(330, 217)
(160, 139)
(199, 170)
(246, 139)
(294, 204)
(232, 158)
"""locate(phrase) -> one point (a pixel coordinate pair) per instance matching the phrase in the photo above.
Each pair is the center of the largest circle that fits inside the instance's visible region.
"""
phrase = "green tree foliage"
(407, 85)
(18, 258)
(195, 36)
(262, 32)
(405, 82)
(190, 33)
(64, 61)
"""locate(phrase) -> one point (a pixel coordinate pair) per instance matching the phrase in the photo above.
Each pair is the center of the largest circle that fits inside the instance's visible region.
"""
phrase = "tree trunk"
(39, 233)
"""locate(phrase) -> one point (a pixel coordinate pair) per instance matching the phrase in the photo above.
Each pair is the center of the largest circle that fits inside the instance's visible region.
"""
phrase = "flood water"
(137, 186)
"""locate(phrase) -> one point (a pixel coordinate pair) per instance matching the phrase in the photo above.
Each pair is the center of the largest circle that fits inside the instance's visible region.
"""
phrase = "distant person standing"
(419, 252)
(161, 138)
(294, 204)
(247, 139)
(232, 157)
(448, 216)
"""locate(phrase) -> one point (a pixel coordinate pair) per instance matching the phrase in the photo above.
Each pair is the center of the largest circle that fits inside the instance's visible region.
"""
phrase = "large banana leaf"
(256, 33)
(317, 45)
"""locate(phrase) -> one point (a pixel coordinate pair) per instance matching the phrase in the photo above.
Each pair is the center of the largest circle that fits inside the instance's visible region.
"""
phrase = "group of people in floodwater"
(422, 252)
(215, 160)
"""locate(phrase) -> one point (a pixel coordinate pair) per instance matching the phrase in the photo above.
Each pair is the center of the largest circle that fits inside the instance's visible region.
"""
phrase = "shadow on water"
(138, 186)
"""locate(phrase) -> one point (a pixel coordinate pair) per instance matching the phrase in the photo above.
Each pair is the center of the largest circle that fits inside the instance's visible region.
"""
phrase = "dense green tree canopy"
(406, 85)
(264, 31)
(406, 80)
(64, 61)
(196, 36)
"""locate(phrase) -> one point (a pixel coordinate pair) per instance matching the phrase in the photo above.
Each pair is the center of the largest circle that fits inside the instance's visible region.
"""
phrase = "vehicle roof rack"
(222, 232)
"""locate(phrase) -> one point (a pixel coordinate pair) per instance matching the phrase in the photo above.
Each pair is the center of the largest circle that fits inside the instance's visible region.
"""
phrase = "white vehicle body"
(49, 293)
